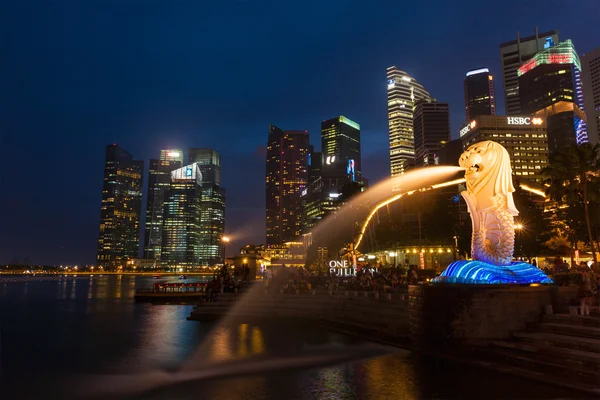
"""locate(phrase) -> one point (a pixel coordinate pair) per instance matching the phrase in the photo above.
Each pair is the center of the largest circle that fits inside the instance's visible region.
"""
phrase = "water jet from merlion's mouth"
(492, 209)
(200, 366)
(356, 209)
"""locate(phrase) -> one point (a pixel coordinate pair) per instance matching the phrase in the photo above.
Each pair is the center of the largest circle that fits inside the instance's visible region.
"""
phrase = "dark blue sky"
(77, 75)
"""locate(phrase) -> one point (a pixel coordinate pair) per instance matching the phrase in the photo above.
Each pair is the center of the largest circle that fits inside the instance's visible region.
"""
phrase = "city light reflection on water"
(98, 329)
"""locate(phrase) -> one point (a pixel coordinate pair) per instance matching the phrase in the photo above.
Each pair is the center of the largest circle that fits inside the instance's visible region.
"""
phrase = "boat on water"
(155, 276)
(166, 292)
(182, 277)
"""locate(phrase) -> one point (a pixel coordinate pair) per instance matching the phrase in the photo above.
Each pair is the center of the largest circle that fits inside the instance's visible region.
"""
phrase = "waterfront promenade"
(556, 349)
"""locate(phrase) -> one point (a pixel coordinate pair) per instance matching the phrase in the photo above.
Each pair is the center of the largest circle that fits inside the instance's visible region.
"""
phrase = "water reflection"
(98, 329)
(258, 342)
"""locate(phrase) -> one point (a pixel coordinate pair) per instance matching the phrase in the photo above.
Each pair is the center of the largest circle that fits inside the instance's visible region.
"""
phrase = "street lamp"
(519, 228)
(455, 237)
(225, 240)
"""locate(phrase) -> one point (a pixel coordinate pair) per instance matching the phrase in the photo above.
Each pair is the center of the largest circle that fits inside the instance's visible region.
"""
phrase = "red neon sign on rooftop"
(529, 65)
(559, 58)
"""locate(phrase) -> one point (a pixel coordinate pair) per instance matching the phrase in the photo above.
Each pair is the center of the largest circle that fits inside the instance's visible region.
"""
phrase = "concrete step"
(588, 331)
(577, 359)
(562, 372)
(572, 319)
(565, 341)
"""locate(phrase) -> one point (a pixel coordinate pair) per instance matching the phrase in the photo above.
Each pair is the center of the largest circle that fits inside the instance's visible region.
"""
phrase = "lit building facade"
(340, 146)
(479, 94)
(159, 181)
(181, 218)
(591, 93)
(212, 206)
(334, 171)
(323, 196)
(551, 88)
(286, 178)
(524, 138)
(513, 54)
(402, 93)
(119, 237)
(432, 131)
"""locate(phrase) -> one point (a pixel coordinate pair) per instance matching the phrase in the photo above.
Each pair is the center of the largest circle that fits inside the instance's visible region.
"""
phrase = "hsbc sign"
(523, 121)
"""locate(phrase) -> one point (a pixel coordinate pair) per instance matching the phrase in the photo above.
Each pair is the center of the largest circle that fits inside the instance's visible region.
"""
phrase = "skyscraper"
(181, 218)
(340, 145)
(159, 181)
(432, 131)
(402, 92)
(286, 178)
(591, 93)
(212, 206)
(551, 88)
(524, 138)
(333, 172)
(479, 94)
(515, 53)
(119, 237)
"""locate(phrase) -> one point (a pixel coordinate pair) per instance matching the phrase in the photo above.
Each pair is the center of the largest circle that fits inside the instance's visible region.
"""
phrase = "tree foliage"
(574, 183)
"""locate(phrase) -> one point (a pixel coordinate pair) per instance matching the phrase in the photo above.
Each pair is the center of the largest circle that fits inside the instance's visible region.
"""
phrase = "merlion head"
(487, 166)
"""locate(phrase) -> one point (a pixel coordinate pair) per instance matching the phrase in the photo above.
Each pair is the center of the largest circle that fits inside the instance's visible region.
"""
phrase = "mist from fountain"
(201, 366)
(412, 181)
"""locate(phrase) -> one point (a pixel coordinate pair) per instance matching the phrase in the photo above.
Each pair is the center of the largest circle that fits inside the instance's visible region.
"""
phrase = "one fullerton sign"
(342, 268)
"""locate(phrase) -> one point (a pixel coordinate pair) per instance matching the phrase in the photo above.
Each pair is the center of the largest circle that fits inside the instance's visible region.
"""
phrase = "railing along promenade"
(384, 314)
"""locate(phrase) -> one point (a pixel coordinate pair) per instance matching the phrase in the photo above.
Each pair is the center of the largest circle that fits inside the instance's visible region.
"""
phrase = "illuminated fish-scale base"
(479, 272)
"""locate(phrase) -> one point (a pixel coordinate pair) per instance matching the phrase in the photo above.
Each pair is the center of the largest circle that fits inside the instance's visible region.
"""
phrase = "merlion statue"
(490, 202)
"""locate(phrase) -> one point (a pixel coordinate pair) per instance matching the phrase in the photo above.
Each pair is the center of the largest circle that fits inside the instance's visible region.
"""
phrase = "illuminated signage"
(173, 154)
(391, 83)
(467, 128)
(330, 160)
(342, 268)
(562, 53)
(528, 66)
(187, 173)
(523, 121)
(303, 192)
(549, 42)
(334, 195)
(350, 169)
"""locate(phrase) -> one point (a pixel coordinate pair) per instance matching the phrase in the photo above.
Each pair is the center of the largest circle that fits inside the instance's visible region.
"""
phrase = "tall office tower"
(515, 53)
(403, 91)
(524, 138)
(315, 164)
(340, 145)
(159, 181)
(212, 206)
(181, 218)
(119, 237)
(479, 94)
(209, 161)
(591, 93)
(286, 178)
(432, 131)
(551, 88)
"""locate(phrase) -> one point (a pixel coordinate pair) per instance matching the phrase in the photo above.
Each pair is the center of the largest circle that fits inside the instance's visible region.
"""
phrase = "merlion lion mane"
(490, 202)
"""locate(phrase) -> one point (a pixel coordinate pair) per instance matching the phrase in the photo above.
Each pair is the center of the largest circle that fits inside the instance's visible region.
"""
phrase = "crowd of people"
(299, 280)
(586, 275)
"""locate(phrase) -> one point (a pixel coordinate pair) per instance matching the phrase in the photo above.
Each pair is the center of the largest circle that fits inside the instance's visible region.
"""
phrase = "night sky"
(149, 75)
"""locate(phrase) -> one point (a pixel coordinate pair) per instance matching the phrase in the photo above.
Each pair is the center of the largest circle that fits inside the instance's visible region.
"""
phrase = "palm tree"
(574, 179)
